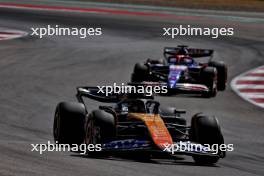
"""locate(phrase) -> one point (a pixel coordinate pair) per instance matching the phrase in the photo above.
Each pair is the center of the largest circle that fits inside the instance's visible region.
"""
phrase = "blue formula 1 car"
(182, 73)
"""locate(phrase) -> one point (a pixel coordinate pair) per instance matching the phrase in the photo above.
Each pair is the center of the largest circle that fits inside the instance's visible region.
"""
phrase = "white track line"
(253, 95)
(258, 71)
(6, 34)
(246, 86)
(253, 78)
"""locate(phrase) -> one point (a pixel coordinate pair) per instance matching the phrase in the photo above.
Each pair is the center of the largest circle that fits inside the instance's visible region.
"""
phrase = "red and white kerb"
(250, 86)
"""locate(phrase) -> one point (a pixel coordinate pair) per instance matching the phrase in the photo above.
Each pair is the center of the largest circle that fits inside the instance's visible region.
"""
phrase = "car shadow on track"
(175, 161)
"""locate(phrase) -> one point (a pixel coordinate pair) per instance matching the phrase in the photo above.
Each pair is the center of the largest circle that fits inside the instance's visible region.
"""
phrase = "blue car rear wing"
(184, 50)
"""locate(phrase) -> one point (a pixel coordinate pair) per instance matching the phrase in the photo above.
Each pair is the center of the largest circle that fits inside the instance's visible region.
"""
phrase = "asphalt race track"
(37, 73)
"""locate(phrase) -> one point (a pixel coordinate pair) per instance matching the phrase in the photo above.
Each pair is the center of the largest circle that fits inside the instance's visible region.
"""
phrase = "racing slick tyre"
(209, 77)
(140, 73)
(68, 127)
(206, 130)
(100, 129)
(221, 73)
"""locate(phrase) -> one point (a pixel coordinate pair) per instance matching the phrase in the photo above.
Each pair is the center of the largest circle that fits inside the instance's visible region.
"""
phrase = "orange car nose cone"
(156, 127)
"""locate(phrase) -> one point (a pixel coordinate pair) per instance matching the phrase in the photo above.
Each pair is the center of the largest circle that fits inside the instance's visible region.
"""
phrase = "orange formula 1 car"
(136, 125)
